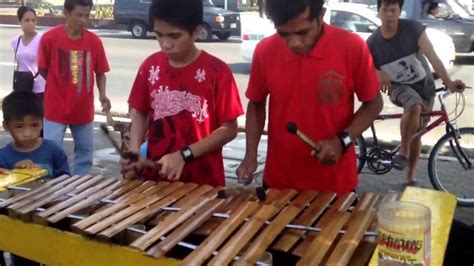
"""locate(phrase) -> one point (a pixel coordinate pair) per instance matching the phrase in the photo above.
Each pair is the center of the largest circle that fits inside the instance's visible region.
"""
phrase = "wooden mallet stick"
(130, 156)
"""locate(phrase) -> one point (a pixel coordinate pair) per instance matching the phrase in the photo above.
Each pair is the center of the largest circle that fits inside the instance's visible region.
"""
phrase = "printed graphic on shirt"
(154, 74)
(200, 75)
(330, 87)
(171, 102)
(406, 70)
(76, 67)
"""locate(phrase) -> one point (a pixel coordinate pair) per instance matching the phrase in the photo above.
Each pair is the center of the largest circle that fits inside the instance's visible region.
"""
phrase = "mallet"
(293, 129)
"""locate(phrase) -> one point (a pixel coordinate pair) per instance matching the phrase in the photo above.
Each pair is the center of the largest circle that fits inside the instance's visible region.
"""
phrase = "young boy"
(186, 98)
(23, 119)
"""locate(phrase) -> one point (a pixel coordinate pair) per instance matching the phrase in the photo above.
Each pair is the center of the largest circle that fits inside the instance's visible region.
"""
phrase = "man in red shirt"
(310, 71)
(69, 56)
(186, 98)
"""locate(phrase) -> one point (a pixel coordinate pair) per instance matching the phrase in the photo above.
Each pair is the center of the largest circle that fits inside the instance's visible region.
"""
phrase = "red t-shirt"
(316, 91)
(186, 105)
(71, 65)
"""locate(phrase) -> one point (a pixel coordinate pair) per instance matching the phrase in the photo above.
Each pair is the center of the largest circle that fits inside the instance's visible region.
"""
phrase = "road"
(125, 54)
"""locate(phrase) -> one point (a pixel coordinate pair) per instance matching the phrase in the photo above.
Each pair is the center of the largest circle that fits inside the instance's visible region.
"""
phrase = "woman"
(26, 47)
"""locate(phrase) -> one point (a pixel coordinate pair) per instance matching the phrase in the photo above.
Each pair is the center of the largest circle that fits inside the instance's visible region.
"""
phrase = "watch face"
(187, 153)
(347, 140)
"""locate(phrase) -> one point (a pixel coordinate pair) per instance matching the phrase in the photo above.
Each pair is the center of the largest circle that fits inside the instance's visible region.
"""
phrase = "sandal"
(399, 162)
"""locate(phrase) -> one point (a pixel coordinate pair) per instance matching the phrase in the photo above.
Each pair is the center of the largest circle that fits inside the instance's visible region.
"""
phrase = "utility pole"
(225, 4)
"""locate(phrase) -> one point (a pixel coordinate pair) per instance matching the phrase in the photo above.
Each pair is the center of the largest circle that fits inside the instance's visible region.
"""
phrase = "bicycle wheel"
(447, 167)
(361, 152)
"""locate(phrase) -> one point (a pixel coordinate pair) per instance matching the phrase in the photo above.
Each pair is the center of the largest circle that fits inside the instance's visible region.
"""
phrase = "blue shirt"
(48, 155)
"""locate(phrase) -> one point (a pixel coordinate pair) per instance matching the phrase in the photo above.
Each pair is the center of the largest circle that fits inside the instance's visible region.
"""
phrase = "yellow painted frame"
(54, 247)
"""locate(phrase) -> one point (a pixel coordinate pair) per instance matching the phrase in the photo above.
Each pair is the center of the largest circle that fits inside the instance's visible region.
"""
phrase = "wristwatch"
(346, 141)
(187, 154)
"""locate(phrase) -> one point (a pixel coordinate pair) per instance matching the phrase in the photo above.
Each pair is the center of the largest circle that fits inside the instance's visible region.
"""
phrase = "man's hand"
(105, 103)
(246, 170)
(328, 151)
(456, 86)
(172, 165)
(26, 164)
(385, 82)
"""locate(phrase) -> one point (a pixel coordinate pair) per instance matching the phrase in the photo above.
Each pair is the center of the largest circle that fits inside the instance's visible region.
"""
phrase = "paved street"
(125, 54)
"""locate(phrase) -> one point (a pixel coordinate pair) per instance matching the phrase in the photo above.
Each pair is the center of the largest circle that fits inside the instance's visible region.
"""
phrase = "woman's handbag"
(22, 80)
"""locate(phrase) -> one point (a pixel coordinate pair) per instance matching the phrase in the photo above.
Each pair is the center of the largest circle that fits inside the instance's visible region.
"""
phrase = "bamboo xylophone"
(317, 228)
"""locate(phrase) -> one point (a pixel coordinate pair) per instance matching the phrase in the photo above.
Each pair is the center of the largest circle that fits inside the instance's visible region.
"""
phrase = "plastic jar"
(404, 234)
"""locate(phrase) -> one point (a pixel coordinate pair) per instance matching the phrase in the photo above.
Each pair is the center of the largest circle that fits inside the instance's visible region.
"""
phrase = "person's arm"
(427, 48)
(385, 81)
(172, 164)
(101, 85)
(137, 130)
(254, 126)
(329, 150)
(364, 116)
(43, 72)
(44, 56)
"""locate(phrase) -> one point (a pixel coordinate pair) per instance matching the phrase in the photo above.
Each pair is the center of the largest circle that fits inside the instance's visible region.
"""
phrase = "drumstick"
(132, 157)
(293, 129)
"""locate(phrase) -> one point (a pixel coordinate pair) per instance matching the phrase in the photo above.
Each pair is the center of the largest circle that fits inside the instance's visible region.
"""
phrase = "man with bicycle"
(399, 48)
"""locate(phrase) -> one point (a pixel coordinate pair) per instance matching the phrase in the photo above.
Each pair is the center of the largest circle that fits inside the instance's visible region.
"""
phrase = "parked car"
(357, 18)
(133, 14)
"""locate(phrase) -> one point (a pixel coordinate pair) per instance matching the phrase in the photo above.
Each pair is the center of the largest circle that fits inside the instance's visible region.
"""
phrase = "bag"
(22, 80)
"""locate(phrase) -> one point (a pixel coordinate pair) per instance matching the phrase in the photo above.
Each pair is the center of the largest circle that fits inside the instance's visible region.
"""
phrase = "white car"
(357, 18)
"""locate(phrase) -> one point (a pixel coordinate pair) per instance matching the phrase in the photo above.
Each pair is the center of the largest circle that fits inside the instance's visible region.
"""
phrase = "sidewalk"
(106, 163)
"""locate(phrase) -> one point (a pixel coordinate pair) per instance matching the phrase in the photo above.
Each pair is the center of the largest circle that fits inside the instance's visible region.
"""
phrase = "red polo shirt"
(316, 91)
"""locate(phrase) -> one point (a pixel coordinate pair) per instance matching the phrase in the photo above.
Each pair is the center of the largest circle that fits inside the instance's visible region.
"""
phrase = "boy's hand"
(171, 165)
(385, 82)
(246, 170)
(131, 168)
(105, 103)
(329, 151)
(25, 164)
(456, 86)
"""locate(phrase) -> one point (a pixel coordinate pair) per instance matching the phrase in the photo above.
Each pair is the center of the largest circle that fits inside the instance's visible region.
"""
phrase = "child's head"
(176, 23)
(23, 117)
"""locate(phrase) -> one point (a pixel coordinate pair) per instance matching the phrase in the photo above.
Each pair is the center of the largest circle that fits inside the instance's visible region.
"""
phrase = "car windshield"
(207, 3)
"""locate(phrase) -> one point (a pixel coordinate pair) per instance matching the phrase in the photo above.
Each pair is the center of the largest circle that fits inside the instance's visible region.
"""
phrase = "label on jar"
(410, 249)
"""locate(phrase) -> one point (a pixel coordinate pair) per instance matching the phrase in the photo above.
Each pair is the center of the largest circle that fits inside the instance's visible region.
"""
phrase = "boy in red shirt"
(311, 72)
(69, 56)
(186, 98)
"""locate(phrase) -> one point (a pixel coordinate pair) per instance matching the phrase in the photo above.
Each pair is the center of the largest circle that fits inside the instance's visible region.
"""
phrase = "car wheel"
(205, 35)
(223, 35)
(138, 29)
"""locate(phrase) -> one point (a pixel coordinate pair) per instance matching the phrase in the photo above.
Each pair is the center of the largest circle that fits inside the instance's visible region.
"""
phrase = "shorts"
(406, 97)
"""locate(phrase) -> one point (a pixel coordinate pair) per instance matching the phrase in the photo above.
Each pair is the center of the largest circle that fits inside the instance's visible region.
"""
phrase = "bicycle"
(457, 145)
